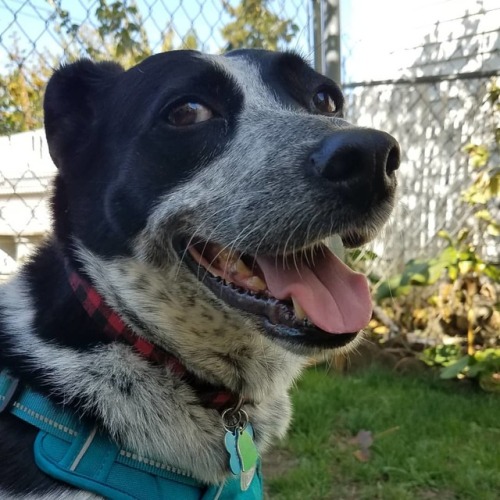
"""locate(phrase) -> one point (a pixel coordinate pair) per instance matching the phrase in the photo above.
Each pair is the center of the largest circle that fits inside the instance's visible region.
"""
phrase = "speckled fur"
(143, 406)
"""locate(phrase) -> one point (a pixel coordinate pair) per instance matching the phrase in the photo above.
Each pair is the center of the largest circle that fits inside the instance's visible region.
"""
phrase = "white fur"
(157, 416)
(145, 407)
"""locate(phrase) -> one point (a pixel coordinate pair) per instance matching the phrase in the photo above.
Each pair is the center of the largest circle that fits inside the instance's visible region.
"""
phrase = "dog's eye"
(324, 103)
(189, 113)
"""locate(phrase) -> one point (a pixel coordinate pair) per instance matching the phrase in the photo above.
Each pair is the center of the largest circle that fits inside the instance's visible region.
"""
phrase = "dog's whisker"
(229, 247)
(197, 232)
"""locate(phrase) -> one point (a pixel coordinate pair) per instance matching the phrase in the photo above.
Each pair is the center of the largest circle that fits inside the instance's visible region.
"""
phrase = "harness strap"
(72, 451)
(34, 409)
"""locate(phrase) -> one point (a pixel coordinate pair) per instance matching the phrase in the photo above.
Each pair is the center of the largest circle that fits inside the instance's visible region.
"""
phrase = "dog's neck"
(141, 404)
(211, 396)
(172, 309)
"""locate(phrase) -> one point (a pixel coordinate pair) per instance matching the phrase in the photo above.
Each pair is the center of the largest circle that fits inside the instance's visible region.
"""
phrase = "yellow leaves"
(190, 40)
(22, 105)
(255, 26)
(485, 187)
(486, 182)
(493, 227)
(478, 153)
(420, 314)
(466, 266)
(381, 330)
(378, 328)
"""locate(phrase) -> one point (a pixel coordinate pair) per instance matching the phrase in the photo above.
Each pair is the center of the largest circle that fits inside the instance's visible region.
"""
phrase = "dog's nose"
(353, 153)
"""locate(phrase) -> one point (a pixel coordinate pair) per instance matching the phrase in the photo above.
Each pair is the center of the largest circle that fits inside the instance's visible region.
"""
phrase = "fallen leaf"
(364, 439)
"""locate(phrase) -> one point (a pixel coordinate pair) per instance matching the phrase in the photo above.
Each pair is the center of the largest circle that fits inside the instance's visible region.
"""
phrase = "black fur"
(131, 149)
(119, 158)
(19, 474)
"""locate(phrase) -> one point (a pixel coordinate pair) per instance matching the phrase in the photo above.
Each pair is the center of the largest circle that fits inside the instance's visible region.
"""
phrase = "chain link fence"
(433, 95)
(37, 35)
(432, 114)
(48, 28)
(433, 122)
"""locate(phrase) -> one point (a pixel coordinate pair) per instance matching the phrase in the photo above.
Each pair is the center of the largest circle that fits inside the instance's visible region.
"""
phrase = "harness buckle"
(10, 395)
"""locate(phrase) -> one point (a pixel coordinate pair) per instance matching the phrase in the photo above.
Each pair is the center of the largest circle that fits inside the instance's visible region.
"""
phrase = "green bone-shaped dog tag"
(247, 450)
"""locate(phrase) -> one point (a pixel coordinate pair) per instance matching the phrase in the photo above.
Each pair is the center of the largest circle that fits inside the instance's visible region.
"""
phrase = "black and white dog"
(186, 281)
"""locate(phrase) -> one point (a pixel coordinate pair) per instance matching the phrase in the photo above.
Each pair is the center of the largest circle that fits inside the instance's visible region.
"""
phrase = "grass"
(431, 440)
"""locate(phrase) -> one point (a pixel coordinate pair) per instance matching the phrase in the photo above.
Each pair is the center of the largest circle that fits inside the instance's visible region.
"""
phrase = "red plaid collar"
(211, 396)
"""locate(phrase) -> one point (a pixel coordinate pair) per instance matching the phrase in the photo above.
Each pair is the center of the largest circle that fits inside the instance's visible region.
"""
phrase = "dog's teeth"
(213, 272)
(256, 284)
(336, 246)
(300, 314)
(224, 255)
(241, 269)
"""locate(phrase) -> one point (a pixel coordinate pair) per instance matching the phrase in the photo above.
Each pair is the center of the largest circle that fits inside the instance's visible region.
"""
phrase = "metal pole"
(318, 35)
(331, 39)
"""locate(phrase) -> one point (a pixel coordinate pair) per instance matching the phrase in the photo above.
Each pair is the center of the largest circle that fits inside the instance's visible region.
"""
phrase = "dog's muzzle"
(310, 297)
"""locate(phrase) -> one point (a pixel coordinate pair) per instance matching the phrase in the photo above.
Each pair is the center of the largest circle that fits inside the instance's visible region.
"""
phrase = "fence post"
(332, 39)
(318, 34)
(326, 21)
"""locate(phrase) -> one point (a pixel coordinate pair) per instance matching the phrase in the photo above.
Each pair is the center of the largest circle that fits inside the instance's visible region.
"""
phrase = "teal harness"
(74, 452)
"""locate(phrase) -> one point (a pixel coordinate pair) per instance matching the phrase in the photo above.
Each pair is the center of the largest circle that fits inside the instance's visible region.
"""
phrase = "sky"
(29, 20)
(361, 20)
(377, 35)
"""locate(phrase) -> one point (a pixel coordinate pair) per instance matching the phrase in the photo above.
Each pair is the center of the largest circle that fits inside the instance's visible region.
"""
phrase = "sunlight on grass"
(431, 440)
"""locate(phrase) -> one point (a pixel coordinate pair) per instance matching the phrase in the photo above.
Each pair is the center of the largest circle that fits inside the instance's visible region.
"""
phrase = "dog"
(187, 279)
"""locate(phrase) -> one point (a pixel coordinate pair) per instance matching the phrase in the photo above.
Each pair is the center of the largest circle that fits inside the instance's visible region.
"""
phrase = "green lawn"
(431, 440)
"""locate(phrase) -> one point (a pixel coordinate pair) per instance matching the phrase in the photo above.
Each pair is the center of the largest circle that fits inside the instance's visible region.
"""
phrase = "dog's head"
(222, 176)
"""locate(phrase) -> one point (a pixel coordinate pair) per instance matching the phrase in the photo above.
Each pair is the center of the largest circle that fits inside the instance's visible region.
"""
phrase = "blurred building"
(26, 173)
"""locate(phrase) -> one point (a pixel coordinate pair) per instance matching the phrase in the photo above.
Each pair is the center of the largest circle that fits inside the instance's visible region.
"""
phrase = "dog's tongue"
(334, 298)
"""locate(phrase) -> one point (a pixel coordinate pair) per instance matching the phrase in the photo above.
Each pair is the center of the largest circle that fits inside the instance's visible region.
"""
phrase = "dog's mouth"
(309, 297)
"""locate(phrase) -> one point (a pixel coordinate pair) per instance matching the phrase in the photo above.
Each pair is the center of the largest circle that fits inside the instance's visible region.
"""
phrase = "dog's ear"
(71, 103)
